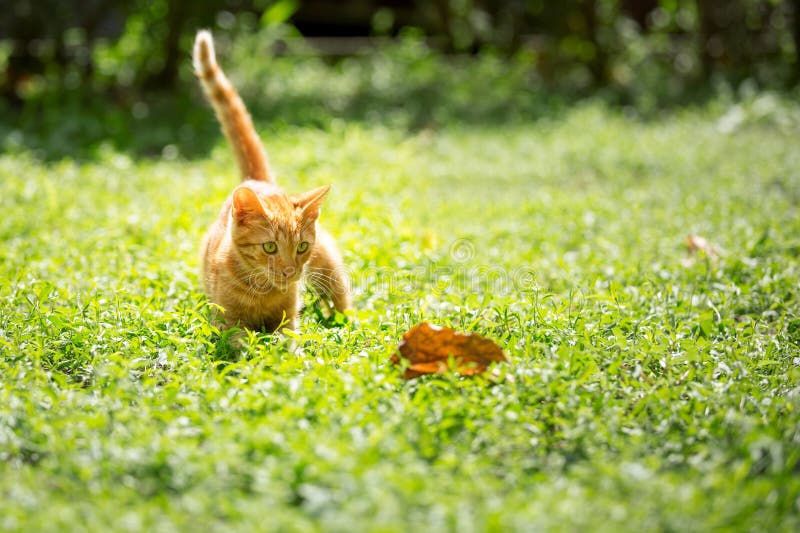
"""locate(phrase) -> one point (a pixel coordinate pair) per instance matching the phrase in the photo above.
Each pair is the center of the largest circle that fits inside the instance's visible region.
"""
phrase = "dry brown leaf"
(428, 349)
(696, 243)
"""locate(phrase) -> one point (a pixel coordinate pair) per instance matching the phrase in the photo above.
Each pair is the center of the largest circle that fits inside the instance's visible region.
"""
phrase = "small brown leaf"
(696, 243)
(428, 349)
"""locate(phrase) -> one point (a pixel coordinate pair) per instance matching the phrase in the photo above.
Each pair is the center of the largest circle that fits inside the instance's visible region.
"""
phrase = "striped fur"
(231, 112)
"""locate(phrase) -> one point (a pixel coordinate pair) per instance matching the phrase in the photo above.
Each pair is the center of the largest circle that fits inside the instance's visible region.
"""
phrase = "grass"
(649, 392)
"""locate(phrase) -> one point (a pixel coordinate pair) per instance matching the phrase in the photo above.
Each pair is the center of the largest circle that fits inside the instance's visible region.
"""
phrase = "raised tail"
(230, 110)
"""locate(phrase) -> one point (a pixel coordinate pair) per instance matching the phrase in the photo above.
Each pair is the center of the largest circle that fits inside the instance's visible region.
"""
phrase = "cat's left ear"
(310, 202)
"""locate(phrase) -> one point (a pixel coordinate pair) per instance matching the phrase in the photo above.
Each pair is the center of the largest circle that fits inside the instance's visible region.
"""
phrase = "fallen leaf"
(428, 350)
(696, 243)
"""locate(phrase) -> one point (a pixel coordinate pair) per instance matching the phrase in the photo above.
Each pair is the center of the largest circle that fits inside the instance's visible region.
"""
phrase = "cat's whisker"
(327, 285)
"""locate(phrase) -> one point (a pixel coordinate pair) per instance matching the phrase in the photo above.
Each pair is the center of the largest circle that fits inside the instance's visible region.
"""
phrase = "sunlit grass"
(650, 390)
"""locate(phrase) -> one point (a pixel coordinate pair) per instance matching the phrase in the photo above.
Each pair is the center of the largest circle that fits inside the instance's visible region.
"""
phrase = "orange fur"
(258, 287)
(230, 111)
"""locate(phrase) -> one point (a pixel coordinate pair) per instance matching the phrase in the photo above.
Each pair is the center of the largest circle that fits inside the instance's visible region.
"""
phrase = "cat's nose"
(288, 271)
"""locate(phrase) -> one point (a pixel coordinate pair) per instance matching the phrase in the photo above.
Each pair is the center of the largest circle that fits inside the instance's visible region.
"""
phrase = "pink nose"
(288, 271)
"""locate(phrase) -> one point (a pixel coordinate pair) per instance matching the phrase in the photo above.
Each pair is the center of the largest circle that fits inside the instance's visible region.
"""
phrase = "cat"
(264, 243)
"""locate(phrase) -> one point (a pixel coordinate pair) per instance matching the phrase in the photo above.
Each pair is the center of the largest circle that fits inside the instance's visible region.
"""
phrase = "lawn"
(648, 389)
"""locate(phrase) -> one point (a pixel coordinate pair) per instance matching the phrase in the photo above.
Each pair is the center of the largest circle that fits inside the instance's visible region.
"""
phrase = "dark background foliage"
(76, 72)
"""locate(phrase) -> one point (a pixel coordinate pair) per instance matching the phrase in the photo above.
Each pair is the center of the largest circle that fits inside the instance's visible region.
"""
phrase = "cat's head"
(274, 234)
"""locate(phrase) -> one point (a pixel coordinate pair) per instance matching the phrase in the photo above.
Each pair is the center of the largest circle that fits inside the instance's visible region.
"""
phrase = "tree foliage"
(638, 45)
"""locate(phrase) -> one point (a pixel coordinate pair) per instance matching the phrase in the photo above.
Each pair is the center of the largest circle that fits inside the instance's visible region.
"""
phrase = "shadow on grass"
(236, 344)
(82, 126)
(169, 125)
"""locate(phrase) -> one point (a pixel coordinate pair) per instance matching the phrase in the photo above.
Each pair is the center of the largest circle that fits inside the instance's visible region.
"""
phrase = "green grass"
(648, 392)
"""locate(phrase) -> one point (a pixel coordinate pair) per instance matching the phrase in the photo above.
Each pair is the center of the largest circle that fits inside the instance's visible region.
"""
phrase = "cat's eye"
(270, 247)
(302, 247)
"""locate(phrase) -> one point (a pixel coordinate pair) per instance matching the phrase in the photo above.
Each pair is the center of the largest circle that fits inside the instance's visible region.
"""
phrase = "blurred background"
(78, 76)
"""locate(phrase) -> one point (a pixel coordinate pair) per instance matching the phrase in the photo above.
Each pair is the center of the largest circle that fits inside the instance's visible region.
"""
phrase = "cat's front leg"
(326, 273)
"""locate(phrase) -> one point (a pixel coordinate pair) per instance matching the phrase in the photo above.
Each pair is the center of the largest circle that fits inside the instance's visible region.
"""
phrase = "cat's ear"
(310, 202)
(246, 205)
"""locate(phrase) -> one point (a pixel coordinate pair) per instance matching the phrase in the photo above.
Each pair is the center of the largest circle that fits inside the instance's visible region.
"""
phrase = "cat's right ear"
(246, 205)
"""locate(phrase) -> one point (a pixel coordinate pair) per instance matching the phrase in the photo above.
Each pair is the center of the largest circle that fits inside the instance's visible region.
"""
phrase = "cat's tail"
(230, 110)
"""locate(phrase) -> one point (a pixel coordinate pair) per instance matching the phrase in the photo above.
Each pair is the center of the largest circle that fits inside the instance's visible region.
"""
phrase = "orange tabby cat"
(256, 252)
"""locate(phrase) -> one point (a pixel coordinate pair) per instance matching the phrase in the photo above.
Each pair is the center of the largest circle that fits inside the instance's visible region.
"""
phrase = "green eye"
(270, 247)
(302, 247)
